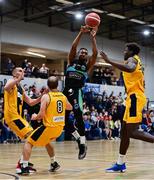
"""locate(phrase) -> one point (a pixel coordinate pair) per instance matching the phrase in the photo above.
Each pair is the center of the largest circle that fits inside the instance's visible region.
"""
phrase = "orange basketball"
(92, 20)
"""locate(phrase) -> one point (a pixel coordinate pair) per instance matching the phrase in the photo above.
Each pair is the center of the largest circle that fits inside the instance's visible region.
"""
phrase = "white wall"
(31, 81)
(41, 36)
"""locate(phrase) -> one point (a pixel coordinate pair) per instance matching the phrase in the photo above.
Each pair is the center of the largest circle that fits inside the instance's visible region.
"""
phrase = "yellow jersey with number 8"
(55, 112)
(134, 81)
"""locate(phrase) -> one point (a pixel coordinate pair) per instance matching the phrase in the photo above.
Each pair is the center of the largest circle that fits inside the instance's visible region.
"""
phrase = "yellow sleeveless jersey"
(134, 81)
(55, 113)
(11, 109)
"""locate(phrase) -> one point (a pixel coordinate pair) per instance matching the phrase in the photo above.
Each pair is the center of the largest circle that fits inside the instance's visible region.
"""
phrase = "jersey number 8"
(59, 106)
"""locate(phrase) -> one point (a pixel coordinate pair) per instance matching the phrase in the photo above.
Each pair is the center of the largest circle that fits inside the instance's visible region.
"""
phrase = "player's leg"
(22, 129)
(54, 165)
(78, 113)
(69, 124)
(120, 166)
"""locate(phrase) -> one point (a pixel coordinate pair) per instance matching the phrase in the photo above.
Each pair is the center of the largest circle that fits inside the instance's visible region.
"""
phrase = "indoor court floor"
(101, 154)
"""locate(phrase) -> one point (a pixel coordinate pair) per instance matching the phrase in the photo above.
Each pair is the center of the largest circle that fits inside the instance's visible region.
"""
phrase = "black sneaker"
(24, 171)
(54, 167)
(30, 164)
(82, 151)
(19, 168)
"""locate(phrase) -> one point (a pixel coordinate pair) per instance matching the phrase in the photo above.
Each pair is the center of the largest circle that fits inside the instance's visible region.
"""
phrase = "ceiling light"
(146, 32)
(78, 15)
(55, 7)
(95, 10)
(117, 16)
(137, 21)
(36, 54)
(151, 25)
(64, 2)
(71, 12)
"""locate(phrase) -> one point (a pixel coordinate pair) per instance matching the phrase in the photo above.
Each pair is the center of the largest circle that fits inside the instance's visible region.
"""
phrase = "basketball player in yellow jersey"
(134, 82)
(52, 111)
(12, 111)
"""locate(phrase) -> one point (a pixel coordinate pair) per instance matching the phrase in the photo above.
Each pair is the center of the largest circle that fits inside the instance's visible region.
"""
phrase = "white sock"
(53, 159)
(82, 139)
(76, 134)
(21, 159)
(25, 163)
(121, 159)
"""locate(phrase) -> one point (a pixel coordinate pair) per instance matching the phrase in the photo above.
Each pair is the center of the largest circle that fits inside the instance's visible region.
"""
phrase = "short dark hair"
(83, 49)
(134, 47)
(52, 82)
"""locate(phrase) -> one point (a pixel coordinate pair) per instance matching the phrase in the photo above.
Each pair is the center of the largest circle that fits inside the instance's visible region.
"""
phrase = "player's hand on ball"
(34, 116)
(85, 29)
(94, 31)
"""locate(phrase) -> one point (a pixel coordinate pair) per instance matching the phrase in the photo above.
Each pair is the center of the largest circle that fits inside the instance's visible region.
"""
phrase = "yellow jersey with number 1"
(134, 81)
(55, 112)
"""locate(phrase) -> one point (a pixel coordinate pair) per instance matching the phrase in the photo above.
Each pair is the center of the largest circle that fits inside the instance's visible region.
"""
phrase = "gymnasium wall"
(41, 36)
(39, 83)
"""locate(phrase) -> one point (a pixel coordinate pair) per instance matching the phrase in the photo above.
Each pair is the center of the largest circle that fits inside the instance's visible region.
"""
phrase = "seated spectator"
(107, 76)
(44, 71)
(26, 115)
(10, 66)
(28, 70)
(87, 127)
(96, 77)
(35, 71)
(145, 125)
(24, 64)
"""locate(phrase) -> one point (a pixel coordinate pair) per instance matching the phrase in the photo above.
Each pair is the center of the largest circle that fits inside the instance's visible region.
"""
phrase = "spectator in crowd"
(107, 76)
(35, 71)
(24, 64)
(10, 66)
(44, 71)
(28, 70)
(97, 75)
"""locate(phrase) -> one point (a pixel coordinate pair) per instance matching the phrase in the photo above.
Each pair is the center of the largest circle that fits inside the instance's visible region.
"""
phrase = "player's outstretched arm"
(93, 58)
(129, 66)
(44, 103)
(75, 43)
(33, 102)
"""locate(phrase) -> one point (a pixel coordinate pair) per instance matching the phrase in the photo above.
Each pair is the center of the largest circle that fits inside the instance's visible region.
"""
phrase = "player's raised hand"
(85, 29)
(94, 31)
(104, 56)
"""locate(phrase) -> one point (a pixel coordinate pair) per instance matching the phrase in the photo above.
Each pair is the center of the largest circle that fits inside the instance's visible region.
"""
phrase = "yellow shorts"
(134, 107)
(20, 127)
(43, 135)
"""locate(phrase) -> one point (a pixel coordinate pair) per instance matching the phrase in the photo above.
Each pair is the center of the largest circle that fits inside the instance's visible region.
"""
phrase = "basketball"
(92, 20)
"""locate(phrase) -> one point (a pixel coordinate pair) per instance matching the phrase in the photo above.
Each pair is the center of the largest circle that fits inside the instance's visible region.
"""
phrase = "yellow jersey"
(11, 105)
(55, 112)
(134, 81)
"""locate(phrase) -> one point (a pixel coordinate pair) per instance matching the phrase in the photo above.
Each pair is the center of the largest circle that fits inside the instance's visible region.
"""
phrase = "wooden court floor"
(101, 154)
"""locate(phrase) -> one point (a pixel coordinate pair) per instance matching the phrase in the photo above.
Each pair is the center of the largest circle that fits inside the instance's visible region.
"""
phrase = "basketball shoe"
(54, 167)
(30, 168)
(117, 168)
(82, 150)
